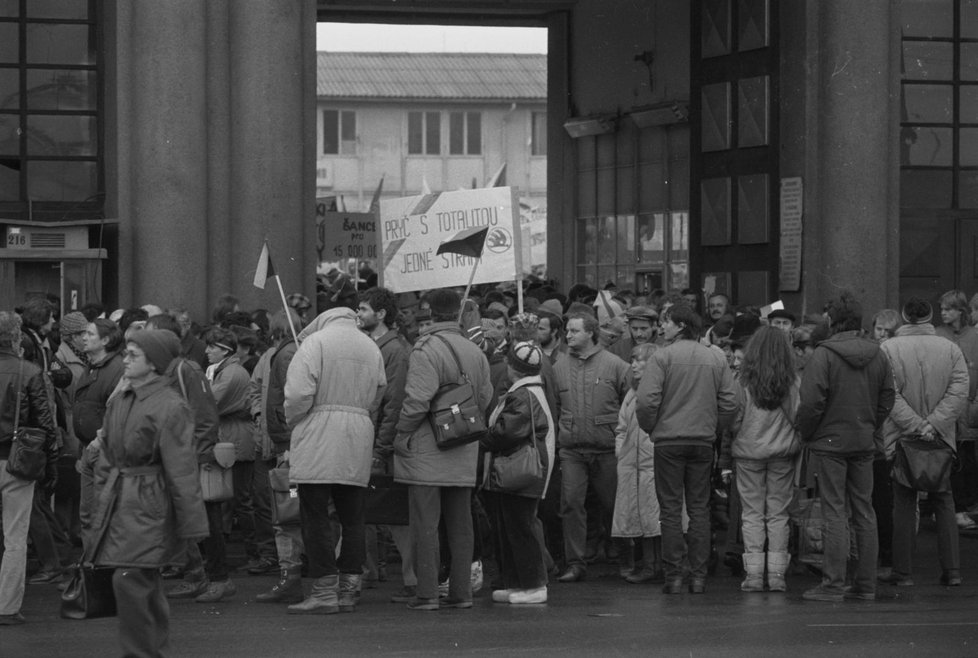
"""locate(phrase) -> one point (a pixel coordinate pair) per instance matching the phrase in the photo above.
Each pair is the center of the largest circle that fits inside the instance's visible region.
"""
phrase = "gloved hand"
(50, 480)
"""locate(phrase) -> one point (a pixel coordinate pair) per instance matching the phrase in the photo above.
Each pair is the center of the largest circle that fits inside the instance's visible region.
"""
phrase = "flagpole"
(468, 288)
(285, 305)
(519, 294)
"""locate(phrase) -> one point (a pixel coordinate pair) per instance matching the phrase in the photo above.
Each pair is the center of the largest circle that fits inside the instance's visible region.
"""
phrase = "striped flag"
(469, 242)
(265, 270)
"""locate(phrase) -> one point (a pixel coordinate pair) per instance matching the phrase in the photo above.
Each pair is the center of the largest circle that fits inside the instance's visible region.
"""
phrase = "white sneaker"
(527, 596)
(476, 576)
(501, 595)
(443, 589)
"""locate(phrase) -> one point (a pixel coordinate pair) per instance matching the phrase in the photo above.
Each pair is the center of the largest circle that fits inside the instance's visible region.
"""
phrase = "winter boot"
(322, 599)
(288, 589)
(348, 592)
(777, 565)
(626, 557)
(754, 566)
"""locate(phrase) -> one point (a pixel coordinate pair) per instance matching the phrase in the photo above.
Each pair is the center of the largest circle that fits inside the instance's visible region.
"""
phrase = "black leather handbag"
(923, 465)
(89, 593)
(455, 415)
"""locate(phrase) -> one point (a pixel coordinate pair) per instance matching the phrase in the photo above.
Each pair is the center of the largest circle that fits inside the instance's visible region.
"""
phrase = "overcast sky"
(342, 37)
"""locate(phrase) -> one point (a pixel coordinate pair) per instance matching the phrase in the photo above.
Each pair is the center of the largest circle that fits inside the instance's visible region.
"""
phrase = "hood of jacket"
(852, 348)
(325, 318)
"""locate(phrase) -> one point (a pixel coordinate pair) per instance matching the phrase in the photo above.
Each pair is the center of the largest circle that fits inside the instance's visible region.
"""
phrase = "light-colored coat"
(417, 459)
(636, 505)
(332, 389)
(931, 378)
(766, 434)
(147, 490)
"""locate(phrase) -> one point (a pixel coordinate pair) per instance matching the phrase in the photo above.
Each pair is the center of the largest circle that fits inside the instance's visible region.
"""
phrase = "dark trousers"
(243, 505)
(849, 478)
(580, 470)
(216, 565)
(317, 530)
(517, 544)
(905, 528)
(883, 506)
(144, 614)
(964, 477)
(682, 472)
(428, 504)
(49, 539)
(262, 497)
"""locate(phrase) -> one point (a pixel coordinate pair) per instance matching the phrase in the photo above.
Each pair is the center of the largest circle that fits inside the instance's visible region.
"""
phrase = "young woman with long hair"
(764, 449)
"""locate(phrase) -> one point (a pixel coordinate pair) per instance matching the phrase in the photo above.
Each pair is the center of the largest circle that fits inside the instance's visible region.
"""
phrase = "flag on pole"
(424, 185)
(265, 270)
(499, 178)
(375, 201)
(469, 242)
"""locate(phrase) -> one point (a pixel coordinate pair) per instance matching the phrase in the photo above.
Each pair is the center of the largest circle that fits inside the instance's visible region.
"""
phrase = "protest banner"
(412, 228)
(347, 234)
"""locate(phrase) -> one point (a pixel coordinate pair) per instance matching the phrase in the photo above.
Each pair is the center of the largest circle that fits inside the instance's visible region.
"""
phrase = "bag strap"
(183, 384)
(451, 349)
(20, 378)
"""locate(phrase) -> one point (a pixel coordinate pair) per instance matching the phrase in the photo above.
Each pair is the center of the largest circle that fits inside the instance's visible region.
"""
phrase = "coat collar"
(144, 391)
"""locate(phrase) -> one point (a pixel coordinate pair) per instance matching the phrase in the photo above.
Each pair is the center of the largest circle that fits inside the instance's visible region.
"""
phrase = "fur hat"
(525, 358)
(160, 346)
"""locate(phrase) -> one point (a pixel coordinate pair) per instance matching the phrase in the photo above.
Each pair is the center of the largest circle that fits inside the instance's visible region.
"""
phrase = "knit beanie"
(525, 358)
(161, 347)
(917, 311)
(73, 323)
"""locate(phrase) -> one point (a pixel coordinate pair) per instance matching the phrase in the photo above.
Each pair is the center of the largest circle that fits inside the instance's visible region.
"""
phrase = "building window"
(939, 105)
(50, 110)
(339, 132)
(424, 133)
(465, 133)
(538, 136)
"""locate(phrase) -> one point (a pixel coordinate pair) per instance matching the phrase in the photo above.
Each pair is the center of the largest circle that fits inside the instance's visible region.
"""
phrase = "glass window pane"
(60, 44)
(10, 134)
(61, 135)
(968, 147)
(927, 146)
(9, 89)
(968, 189)
(456, 133)
(9, 43)
(924, 60)
(925, 189)
(72, 9)
(969, 19)
(587, 234)
(927, 18)
(61, 181)
(928, 103)
(586, 275)
(348, 133)
(679, 238)
(61, 90)
(10, 8)
(539, 139)
(415, 132)
(969, 61)
(626, 239)
(650, 238)
(474, 134)
(9, 179)
(432, 133)
(331, 119)
(607, 239)
(969, 104)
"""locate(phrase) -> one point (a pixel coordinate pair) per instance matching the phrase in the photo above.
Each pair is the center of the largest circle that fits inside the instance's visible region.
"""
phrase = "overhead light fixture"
(597, 125)
(660, 114)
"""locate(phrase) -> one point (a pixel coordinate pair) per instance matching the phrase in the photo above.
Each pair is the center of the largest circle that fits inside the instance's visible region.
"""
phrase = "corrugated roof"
(432, 75)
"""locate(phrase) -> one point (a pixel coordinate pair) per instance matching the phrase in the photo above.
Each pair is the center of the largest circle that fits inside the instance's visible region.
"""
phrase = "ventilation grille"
(47, 240)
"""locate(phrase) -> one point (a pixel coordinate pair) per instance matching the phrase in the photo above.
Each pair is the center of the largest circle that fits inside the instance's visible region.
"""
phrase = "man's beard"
(369, 327)
(548, 342)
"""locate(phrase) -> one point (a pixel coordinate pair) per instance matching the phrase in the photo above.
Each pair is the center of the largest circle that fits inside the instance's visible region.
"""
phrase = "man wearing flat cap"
(642, 328)
(781, 319)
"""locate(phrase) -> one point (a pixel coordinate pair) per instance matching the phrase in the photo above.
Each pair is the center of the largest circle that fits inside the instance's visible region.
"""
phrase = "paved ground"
(602, 616)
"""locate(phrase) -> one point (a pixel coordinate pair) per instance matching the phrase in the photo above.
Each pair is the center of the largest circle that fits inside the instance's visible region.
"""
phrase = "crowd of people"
(595, 425)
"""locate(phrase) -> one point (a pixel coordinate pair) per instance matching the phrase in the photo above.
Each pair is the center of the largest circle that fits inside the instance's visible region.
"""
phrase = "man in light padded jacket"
(440, 482)
(846, 394)
(931, 378)
(592, 383)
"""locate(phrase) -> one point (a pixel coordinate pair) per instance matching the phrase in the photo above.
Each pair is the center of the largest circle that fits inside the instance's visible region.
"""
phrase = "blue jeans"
(579, 470)
(682, 472)
(843, 478)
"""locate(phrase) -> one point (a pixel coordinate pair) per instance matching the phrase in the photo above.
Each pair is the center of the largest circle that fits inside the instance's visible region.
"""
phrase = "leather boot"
(288, 589)
(348, 592)
(777, 566)
(754, 567)
(322, 600)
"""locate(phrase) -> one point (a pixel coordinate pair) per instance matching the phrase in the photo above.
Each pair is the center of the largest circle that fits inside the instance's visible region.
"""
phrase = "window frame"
(430, 136)
(346, 122)
(468, 134)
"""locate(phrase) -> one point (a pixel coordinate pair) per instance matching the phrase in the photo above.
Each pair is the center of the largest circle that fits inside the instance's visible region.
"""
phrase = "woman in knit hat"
(519, 459)
(147, 490)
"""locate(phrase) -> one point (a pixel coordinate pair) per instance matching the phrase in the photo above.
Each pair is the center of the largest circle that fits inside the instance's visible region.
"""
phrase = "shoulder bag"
(456, 418)
(28, 457)
(923, 465)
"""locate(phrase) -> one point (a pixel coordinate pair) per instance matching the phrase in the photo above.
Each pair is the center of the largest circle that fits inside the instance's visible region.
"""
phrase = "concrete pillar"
(167, 131)
(852, 235)
(218, 222)
(272, 137)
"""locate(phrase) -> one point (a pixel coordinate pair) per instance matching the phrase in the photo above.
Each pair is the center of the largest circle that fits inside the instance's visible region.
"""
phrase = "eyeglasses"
(129, 354)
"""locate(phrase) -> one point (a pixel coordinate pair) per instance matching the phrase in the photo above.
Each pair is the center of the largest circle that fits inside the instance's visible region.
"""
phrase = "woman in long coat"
(636, 506)
(147, 491)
